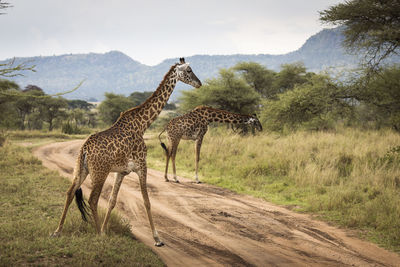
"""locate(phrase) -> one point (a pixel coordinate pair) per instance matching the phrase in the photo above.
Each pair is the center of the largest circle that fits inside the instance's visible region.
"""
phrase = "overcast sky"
(150, 31)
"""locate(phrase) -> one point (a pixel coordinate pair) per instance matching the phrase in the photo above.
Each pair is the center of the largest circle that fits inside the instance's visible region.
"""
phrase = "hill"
(118, 73)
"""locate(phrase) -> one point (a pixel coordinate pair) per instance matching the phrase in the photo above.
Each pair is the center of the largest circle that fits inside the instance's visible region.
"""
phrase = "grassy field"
(350, 177)
(32, 198)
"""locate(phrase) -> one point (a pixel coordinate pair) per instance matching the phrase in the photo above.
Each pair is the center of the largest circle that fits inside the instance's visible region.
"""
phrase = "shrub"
(67, 128)
(313, 105)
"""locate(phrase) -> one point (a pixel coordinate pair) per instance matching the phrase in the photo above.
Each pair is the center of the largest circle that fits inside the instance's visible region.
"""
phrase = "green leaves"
(112, 106)
(311, 105)
(228, 92)
(371, 25)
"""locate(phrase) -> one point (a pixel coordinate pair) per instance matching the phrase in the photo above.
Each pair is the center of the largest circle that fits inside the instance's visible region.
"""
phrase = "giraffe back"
(189, 126)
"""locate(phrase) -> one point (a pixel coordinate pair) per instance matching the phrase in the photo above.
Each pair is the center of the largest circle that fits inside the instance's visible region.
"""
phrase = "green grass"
(350, 177)
(36, 138)
(32, 199)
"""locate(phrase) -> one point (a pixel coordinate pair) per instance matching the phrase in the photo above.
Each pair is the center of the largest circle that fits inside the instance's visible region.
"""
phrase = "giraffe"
(121, 149)
(193, 126)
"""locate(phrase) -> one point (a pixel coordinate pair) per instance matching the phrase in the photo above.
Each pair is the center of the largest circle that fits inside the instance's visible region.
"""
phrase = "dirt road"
(203, 225)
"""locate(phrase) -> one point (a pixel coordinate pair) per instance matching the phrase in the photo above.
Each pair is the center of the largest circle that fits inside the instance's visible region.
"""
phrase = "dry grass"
(350, 176)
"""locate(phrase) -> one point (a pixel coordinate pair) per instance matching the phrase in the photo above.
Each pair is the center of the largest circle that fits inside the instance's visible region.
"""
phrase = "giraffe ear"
(182, 60)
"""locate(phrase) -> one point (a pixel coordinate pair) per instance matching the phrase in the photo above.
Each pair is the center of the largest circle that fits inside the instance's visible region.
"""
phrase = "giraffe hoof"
(55, 234)
(167, 180)
(176, 181)
(198, 182)
(159, 244)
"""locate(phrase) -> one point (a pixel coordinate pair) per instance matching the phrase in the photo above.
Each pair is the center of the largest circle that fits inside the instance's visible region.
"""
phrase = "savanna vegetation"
(32, 197)
(330, 145)
(349, 176)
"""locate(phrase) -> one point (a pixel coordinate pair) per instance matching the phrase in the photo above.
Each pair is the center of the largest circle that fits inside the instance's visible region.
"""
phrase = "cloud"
(262, 35)
(151, 31)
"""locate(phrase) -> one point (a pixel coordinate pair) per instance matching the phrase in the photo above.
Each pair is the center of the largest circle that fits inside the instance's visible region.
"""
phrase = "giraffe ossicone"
(193, 126)
(121, 149)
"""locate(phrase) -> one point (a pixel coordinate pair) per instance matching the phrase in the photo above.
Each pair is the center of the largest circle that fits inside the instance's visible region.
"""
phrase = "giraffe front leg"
(142, 173)
(113, 199)
(197, 151)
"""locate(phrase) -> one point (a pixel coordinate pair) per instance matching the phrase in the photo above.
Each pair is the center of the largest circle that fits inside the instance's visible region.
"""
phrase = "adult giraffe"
(193, 126)
(121, 149)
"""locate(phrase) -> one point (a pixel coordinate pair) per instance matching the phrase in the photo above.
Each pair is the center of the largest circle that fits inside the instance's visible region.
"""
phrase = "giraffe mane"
(145, 102)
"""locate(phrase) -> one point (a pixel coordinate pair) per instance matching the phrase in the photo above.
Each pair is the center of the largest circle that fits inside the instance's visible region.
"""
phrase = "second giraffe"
(193, 126)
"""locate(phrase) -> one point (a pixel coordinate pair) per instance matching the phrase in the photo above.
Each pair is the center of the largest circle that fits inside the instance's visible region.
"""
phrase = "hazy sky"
(150, 31)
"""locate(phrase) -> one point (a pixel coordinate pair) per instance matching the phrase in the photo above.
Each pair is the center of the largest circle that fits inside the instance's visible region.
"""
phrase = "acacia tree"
(27, 101)
(228, 92)
(289, 76)
(52, 108)
(313, 105)
(379, 95)
(8, 112)
(139, 97)
(371, 25)
(258, 77)
(111, 108)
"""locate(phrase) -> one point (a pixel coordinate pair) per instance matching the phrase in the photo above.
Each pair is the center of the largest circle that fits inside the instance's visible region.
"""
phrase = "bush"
(228, 92)
(312, 106)
(67, 128)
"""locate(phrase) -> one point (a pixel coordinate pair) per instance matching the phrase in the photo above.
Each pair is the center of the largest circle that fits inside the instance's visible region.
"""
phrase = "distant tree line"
(113, 105)
(290, 99)
(286, 100)
(294, 98)
(32, 109)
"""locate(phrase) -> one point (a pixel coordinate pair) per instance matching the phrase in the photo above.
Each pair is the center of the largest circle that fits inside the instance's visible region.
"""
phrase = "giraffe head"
(185, 74)
(254, 122)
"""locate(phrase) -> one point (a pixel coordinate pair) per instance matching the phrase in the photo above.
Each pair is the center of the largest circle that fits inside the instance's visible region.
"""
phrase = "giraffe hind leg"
(168, 156)
(74, 189)
(174, 149)
(197, 152)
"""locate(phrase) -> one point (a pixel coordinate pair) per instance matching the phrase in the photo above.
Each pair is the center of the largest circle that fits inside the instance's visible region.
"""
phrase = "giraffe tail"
(80, 202)
(79, 177)
(161, 143)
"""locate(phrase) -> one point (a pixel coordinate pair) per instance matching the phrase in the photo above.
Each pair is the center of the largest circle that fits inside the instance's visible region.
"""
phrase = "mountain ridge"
(118, 73)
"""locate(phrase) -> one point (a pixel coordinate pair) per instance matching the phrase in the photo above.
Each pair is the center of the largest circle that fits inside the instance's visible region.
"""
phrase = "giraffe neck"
(139, 118)
(217, 115)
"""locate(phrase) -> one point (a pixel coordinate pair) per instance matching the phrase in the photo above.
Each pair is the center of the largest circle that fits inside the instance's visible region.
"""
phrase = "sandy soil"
(203, 225)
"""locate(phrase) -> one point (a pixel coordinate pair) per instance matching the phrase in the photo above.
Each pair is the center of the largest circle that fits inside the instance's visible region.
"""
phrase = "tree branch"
(8, 70)
(4, 5)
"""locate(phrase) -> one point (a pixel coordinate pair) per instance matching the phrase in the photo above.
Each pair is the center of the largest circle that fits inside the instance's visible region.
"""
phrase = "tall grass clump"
(32, 198)
(349, 176)
(3, 138)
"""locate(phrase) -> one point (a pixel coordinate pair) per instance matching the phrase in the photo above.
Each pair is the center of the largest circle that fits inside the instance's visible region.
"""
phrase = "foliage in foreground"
(350, 177)
(371, 27)
(32, 198)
